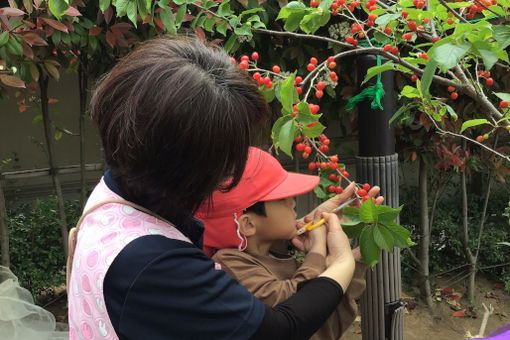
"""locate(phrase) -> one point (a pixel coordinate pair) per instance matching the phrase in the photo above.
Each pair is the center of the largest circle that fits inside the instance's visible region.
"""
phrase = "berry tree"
(453, 45)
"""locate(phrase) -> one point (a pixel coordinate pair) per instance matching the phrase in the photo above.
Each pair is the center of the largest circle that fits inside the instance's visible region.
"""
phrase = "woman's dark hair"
(175, 118)
(258, 208)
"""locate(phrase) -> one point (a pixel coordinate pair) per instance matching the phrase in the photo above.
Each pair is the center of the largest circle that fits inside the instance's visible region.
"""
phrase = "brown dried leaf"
(27, 51)
(110, 38)
(52, 70)
(95, 30)
(12, 81)
(11, 12)
(56, 24)
(108, 14)
(32, 38)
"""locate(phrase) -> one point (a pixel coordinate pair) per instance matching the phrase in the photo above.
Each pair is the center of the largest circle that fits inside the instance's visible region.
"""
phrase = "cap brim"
(295, 184)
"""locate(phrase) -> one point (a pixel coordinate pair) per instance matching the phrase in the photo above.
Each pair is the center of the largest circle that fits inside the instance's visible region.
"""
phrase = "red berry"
(308, 149)
(414, 78)
(333, 76)
(339, 190)
(451, 89)
(269, 85)
(387, 30)
(346, 174)
(424, 56)
(479, 139)
(426, 20)
(311, 165)
(332, 177)
(310, 67)
(321, 85)
(372, 17)
(394, 50)
(362, 192)
(314, 3)
(412, 25)
(276, 69)
(257, 76)
(331, 59)
(366, 186)
(387, 48)
(372, 8)
(245, 57)
(454, 95)
(355, 42)
(254, 56)
(503, 104)
(299, 90)
(300, 147)
(319, 94)
(365, 198)
(335, 12)
(489, 81)
(435, 40)
(349, 39)
(334, 159)
(331, 188)
(305, 155)
(404, 14)
(267, 80)
(326, 141)
(233, 60)
(314, 108)
(324, 165)
(333, 166)
(313, 60)
(451, 21)
(332, 64)
(298, 80)
(244, 64)
(325, 148)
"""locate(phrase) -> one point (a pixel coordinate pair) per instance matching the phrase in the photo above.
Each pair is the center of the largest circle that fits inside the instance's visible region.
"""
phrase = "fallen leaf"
(459, 314)
(52, 100)
(499, 285)
(358, 331)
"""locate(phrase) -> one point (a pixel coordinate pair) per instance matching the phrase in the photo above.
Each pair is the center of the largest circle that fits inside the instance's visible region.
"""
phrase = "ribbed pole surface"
(377, 164)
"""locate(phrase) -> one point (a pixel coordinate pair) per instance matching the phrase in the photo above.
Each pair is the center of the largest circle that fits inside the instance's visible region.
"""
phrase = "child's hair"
(175, 119)
(258, 208)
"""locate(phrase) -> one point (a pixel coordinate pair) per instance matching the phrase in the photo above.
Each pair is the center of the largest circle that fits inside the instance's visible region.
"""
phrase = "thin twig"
(457, 15)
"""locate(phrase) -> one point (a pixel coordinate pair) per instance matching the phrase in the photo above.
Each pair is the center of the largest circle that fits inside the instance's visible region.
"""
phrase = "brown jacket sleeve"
(348, 309)
(260, 279)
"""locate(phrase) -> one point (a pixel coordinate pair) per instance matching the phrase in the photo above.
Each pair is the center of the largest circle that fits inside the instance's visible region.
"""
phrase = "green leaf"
(319, 192)
(221, 27)
(269, 94)
(471, 123)
(505, 243)
(293, 21)
(370, 251)
(142, 8)
(286, 137)
(104, 4)
(56, 37)
(58, 135)
(252, 10)
(230, 43)
(353, 229)
(224, 9)
(384, 19)
(209, 23)
(383, 238)
(291, 7)
(368, 211)
(121, 7)
(275, 132)
(180, 15)
(451, 111)
(131, 12)
(410, 92)
(448, 55)
(14, 47)
(502, 35)
(167, 18)
(428, 75)
(287, 90)
(400, 113)
(58, 7)
(375, 70)
(401, 236)
(245, 29)
(4, 38)
(314, 131)
(351, 214)
(386, 213)
(503, 96)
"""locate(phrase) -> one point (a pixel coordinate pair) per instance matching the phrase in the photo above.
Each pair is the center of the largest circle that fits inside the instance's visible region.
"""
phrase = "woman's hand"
(314, 240)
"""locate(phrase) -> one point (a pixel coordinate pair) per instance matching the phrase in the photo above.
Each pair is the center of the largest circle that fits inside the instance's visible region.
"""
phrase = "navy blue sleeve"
(159, 288)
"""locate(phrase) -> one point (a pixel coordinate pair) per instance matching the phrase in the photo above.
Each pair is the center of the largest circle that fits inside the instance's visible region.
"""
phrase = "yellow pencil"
(311, 226)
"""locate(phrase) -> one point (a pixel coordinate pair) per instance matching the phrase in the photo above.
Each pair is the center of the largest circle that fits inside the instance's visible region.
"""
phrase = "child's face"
(279, 222)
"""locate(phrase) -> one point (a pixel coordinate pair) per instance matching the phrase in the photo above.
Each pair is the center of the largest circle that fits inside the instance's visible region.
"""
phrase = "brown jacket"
(275, 279)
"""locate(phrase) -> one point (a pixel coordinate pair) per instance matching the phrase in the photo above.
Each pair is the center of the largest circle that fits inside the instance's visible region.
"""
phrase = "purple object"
(502, 333)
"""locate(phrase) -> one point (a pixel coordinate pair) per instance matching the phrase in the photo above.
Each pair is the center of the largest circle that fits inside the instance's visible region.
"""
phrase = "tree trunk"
(4, 232)
(465, 240)
(425, 234)
(83, 85)
(43, 86)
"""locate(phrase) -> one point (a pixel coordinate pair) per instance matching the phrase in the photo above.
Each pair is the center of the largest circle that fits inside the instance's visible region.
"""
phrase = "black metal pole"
(377, 164)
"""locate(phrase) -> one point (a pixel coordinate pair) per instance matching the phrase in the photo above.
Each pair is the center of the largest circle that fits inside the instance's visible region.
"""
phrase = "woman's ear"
(247, 225)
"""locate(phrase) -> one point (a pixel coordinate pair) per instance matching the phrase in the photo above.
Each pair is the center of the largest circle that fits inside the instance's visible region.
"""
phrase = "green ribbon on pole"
(374, 93)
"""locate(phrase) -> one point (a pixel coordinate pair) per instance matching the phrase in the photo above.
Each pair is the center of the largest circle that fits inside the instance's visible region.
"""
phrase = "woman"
(175, 118)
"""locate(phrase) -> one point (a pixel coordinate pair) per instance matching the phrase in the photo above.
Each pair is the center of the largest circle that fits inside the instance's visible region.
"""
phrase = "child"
(242, 224)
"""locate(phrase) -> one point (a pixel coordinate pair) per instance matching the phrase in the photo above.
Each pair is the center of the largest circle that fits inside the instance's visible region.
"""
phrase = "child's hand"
(314, 240)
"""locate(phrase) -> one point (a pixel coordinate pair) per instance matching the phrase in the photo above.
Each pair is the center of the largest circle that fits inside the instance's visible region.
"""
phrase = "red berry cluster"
(487, 75)
(370, 5)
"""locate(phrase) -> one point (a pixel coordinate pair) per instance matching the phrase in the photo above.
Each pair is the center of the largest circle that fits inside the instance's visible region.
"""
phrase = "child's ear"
(247, 225)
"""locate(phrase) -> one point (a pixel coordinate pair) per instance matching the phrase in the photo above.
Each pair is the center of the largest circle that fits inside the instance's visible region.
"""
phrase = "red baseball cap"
(264, 179)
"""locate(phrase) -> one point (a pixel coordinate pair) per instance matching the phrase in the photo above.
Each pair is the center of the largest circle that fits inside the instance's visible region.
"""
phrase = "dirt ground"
(419, 323)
